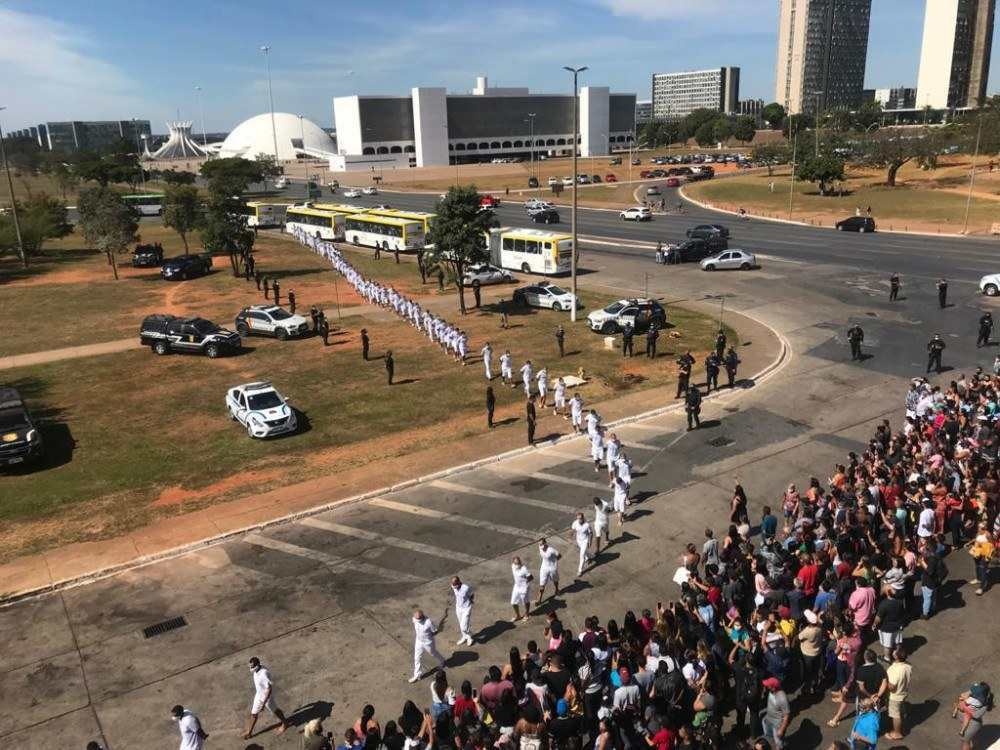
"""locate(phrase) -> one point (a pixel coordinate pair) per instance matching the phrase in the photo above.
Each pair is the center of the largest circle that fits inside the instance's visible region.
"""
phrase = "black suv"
(167, 333)
(856, 224)
(699, 249)
(186, 266)
(147, 256)
(546, 216)
(703, 231)
(20, 440)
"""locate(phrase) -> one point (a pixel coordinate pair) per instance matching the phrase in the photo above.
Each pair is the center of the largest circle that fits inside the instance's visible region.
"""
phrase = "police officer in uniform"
(942, 290)
(276, 288)
(365, 344)
(651, 336)
(477, 295)
(934, 348)
(291, 301)
(314, 314)
(532, 419)
(390, 365)
(256, 277)
(720, 344)
(627, 346)
(684, 364)
(561, 340)
(491, 405)
(712, 364)
(252, 263)
(855, 336)
(324, 330)
(731, 361)
(894, 287)
(692, 405)
(247, 270)
(264, 283)
(985, 329)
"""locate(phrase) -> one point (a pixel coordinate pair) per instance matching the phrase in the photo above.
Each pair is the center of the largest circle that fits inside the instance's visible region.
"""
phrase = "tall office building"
(955, 54)
(822, 50)
(82, 135)
(679, 94)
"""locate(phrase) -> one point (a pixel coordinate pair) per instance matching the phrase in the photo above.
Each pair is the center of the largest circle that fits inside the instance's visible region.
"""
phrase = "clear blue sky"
(109, 59)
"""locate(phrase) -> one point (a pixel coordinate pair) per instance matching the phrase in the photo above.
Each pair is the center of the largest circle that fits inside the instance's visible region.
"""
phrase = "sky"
(108, 59)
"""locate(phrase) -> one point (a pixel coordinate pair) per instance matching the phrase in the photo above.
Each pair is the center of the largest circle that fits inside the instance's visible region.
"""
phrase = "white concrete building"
(955, 53)
(680, 94)
(431, 127)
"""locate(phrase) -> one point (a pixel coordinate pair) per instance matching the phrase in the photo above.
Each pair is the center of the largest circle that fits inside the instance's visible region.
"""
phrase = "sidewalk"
(78, 563)
(69, 352)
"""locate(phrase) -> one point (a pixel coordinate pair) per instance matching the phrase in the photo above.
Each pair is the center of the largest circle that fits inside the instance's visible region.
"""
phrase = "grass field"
(128, 432)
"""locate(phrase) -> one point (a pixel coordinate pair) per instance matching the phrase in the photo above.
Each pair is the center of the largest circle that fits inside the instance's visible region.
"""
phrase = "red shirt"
(664, 739)
(809, 575)
(463, 704)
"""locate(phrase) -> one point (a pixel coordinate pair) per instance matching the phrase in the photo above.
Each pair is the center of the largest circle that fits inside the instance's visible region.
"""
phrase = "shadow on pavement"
(316, 710)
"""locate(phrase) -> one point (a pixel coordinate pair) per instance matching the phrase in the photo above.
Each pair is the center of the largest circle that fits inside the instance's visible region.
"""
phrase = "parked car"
(609, 177)
(488, 201)
(482, 274)
(595, 179)
(281, 183)
(990, 284)
(645, 174)
(147, 256)
(583, 179)
(270, 320)
(555, 181)
(536, 204)
(370, 190)
(694, 250)
(636, 213)
(186, 267)
(261, 410)
(20, 438)
(567, 181)
(532, 182)
(856, 224)
(352, 193)
(636, 161)
(545, 294)
(707, 230)
(638, 313)
(653, 190)
(730, 260)
(168, 333)
(546, 216)
(615, 161)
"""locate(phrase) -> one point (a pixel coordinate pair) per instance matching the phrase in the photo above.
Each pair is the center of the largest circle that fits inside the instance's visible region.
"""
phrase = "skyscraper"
(679, 94)
(822, 50)
(955, 54)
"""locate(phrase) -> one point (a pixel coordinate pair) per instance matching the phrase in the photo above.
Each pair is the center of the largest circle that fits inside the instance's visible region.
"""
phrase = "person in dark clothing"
(324, 330)
(247, 271)
(276, 288)
(477, 295)
(720, 343)
(985, 330)
(942, 290)
(390, 366)
(365, 344)
(684, 364)
(491, 405)
(712, 364)
(532, 420)
(855, 335)
(395, 253)
(934, 349)
(378, 252)
(731, 362)
(561, 340)
(314, 315)
(256, 278)
(252, 263)
(651, 336)
(748, 693)
(291, 301)
(267, 290)
(628, 333)
(894, 287)
(692, 406)
(440, 280)
(421, 267)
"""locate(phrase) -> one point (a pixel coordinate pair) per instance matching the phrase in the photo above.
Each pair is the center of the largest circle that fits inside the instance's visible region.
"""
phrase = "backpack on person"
(982, 692)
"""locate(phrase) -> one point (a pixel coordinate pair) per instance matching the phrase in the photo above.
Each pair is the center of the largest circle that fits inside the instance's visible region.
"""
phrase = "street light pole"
(791, 183)
(270, 97)
(13, 203)
(201, 112)
(531, 132)
(972, 177)
(576, 128)
(138, 155)
(816, 115)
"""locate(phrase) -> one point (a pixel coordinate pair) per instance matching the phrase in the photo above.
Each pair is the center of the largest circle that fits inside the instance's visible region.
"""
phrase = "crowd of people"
(809, 597)
(448, 336)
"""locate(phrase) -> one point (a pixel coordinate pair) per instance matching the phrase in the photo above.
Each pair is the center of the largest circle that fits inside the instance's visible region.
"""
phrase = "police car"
(638, 313)
(270, 320)
(261, 409)
(170, 333)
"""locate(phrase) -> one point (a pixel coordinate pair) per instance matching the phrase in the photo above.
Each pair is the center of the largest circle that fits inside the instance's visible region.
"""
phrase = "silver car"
(730, 260)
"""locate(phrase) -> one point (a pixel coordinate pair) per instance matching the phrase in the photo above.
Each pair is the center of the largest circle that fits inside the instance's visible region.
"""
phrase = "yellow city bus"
(383, 232)
(424, 217)
(340, 208)
(265, 214)
(531, 250)
(326, 225)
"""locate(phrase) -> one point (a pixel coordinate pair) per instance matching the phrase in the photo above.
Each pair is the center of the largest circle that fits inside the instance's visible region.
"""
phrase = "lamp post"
(138, 155)
(972, 176)
(576, 128)
(791, 183)
(531, 135)
(817, 94)
(13, 203)
(201, 112)
(270, 97)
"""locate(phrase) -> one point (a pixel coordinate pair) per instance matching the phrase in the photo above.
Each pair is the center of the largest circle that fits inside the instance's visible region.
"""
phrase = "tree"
(691, 123)
(41, 218)
(772, 153)
(223, 229)
(745, 129)
(181, 210)
(269, 167)
(107, 222)
(722, 129)
(705, 134)
(868, 115)
(231, 176)
(840, 120)
(65, 178)
(891, 148)
(796, 124)
(459, 235)
(823, 169)
(773, 114)
(173, 177)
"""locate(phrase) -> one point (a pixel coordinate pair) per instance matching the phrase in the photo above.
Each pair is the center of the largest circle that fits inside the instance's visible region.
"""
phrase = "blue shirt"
(867, 726)
(768, 526)
(823, 599)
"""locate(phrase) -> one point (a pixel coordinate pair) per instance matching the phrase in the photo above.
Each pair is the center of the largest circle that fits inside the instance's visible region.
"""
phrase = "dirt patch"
(179, 495)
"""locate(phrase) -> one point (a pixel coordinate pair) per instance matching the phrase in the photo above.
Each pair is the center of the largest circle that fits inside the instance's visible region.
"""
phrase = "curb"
(710, 207)
(140, 562)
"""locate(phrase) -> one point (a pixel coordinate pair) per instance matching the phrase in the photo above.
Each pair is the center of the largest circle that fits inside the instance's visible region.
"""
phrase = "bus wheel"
(525, 268)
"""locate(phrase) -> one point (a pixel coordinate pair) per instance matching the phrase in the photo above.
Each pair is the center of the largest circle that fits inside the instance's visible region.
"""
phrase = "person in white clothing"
(549, 568)
(487, 353)
(623, 466)
(192, 735)
(583, 535)
(620, 499)
(560, 396)
(464, 598)
(543, 386)
(507, 368)
(611, 452)
(601, 522)
(597, 448)
(593, 422)
(527, 373)
(576, 412)
(263, 697)
(424, 632)
(521, 591)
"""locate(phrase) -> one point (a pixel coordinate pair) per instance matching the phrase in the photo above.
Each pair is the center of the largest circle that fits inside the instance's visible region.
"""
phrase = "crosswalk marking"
(552, 478)
(641, 426)
(641, 446)
(454, 517)
(567, 455)
(332, 561)
(392, 541)
(545, 504)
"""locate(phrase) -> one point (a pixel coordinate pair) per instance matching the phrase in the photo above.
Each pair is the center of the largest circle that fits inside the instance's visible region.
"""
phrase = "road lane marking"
(551, 477)
(567, 455)
(495, 495)
(776, 259)
(640, 426)
(438, 515)
(331, 561)
(391, 541)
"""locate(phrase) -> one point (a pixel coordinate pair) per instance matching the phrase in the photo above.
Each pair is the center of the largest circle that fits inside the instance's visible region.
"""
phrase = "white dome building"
(255, 136)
